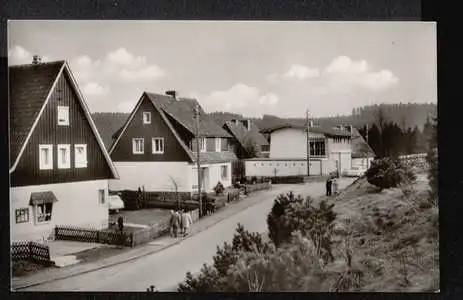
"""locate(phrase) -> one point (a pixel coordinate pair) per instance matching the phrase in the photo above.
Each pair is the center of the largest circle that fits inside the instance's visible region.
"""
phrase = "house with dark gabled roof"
(155, 149)
(59, 167)
(247, 140)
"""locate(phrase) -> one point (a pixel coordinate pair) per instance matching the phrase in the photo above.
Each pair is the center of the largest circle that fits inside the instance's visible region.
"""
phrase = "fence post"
(30, 251)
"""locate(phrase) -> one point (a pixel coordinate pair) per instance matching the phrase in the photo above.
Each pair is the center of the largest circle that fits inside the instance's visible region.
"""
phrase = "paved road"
(165, 269)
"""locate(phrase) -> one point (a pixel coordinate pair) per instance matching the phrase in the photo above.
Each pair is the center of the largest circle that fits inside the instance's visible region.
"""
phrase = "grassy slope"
(394, 239)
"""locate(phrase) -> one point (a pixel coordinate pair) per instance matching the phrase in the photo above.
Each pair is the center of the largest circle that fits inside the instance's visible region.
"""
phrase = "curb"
(20, 287)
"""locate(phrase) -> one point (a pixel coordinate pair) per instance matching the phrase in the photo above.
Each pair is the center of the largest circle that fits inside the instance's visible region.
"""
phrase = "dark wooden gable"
(173, 151)
(48, 132)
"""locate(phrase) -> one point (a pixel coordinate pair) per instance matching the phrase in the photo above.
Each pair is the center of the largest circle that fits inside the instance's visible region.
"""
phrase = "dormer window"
(146, 117)
(218, 144)
(63, 115)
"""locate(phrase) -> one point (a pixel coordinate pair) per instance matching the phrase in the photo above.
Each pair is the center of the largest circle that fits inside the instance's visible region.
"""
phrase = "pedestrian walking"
(329, 183)
(186, 222)
(174, 223)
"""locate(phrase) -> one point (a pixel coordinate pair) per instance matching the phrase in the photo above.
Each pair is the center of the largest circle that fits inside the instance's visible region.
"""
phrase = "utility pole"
(197, 160)
(308, 141)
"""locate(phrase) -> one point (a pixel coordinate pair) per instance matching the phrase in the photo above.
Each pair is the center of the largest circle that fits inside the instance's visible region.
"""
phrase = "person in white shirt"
(186, 222)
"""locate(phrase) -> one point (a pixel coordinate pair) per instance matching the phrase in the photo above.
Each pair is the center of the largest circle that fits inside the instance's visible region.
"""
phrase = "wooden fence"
(249, 188)
(31, 251)
(89, 235)
(113, 237)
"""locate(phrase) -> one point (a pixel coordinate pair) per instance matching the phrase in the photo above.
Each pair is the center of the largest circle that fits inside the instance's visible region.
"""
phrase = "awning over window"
(42, 197)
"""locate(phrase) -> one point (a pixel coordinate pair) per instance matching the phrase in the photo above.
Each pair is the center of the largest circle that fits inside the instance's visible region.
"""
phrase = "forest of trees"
(393, 129)
(405, 115)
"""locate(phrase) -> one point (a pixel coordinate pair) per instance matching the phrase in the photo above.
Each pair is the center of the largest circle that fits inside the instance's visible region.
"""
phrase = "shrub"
(290, 214)
(388, 172)
(219, 188)
(293, 267)
(212, 278)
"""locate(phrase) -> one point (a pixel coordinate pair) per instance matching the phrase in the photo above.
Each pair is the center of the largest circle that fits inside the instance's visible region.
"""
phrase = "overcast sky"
(253, 68)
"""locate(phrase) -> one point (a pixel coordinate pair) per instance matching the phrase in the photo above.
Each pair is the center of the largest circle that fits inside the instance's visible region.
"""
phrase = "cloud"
(344, 74)
(301, 72)
(94, 89)
(142, 75)
(294, 72)
(239, 98)
(118, 65)
(19, 55)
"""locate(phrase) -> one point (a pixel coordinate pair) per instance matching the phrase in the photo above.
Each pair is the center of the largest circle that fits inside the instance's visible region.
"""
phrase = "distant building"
(245, 136)
(155, 148)
(59, 167)
(362, 154)
(330, 151)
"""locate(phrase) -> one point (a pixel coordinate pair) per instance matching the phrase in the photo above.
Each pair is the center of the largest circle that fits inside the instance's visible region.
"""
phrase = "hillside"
(407, 115)
(394, 237)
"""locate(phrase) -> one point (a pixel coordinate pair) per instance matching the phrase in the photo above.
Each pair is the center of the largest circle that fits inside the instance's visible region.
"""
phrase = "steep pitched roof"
(183, 114)
(182, 110)
(360, 147)
(30, 89)
(30, 86)
(315, 129)
(244, 136)
(108, 124)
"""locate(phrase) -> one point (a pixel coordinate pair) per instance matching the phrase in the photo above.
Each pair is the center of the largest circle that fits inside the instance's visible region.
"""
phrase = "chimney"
(172, 93)
(36, 59)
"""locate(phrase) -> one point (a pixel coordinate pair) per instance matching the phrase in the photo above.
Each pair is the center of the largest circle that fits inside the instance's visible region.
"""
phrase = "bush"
(388, 172)
(219, 188)
(213, 278)
(290, 214)
(293, 267)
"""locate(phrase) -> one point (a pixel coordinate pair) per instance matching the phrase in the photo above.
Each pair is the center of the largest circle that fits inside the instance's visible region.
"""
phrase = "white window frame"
(19, 212)
(134, 144)
(104, 196)
(80, 162)
(36, 213)
(221, 172)
(146, 120)
(67, 164)
(218, 144)
(42, 164)
(203, 144)
(153, 145)
(60, 111)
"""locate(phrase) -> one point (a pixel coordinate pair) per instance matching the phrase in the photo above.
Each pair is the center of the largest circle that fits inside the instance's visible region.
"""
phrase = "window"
(43, 212)
(317, 148)
(80, 156)
(202, 144)
(101, 196)
(63, 115)
(158, 145)
(64, 156)
(146, 117)
(138, 146)
(46, 157)
(224, 172)
(22, 215)
(218, 144)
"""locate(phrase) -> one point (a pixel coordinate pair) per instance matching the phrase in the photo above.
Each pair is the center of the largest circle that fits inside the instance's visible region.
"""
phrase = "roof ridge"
(38, 64)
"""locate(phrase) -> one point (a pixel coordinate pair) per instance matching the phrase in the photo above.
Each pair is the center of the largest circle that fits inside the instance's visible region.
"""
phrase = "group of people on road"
(180, 222)
(332, 186)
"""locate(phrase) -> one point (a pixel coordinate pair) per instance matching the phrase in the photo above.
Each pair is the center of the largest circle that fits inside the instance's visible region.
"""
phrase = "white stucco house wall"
(330, 151)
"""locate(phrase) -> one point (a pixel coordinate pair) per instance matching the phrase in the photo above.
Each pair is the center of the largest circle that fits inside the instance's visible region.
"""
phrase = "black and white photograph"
(223, 156)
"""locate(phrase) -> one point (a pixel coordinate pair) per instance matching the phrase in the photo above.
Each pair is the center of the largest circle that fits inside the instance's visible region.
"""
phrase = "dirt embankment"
(393, 236)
